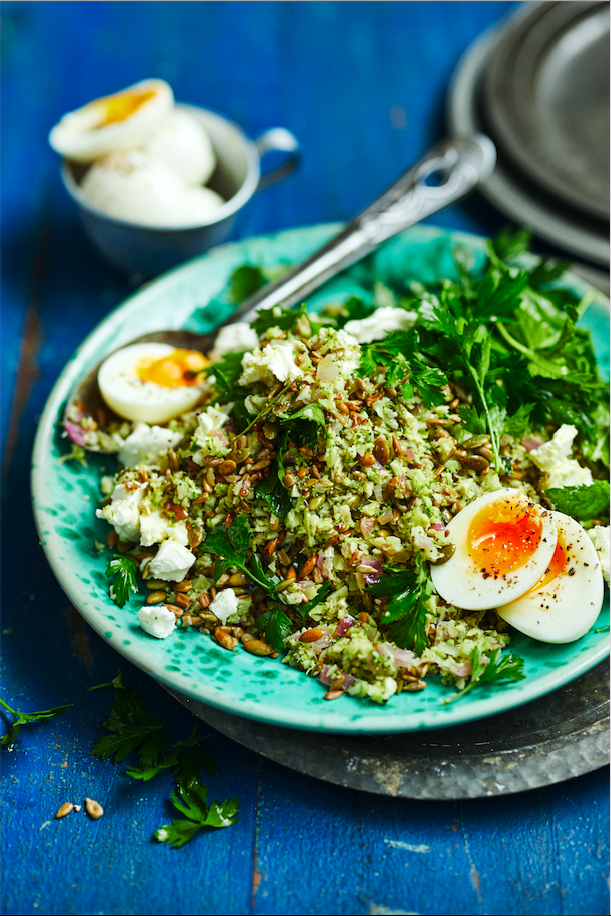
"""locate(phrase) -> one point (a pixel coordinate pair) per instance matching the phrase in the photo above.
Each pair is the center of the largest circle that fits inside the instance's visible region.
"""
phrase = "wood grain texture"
(362, 85)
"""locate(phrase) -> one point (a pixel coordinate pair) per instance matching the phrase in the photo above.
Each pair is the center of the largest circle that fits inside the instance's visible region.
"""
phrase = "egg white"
(564, 609)
(82, 135)
(182, 142)
(460, 581)
(134, 399)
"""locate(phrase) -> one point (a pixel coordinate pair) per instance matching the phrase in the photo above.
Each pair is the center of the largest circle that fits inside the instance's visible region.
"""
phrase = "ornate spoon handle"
(459, 164)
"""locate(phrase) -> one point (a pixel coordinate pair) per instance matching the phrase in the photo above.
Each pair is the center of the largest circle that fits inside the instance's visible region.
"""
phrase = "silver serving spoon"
(458, 164)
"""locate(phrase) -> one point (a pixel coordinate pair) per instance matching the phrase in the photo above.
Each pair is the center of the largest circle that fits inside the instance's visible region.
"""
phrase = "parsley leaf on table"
(584, 502)
(131, 729)
(508, 667)
(124, 570)
(405, 612)
(27, 718)
(185, 760)
(192, 802)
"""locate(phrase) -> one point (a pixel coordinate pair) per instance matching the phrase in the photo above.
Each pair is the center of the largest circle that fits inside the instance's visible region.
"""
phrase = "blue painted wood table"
(362, 85)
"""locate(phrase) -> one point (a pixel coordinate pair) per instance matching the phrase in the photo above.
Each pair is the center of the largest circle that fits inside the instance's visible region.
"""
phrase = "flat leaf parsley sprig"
(27, 718)
(135, 730)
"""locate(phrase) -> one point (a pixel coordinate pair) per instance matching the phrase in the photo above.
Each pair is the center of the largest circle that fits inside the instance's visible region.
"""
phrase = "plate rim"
(502, 189)
(291, 717)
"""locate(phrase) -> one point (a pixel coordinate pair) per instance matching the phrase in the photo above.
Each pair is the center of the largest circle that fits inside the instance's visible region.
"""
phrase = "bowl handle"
(279, 140)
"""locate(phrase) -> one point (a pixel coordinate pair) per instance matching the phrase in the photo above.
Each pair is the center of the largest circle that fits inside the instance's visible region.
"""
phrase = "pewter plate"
(546, 96)
(509, 189)
(560, 736)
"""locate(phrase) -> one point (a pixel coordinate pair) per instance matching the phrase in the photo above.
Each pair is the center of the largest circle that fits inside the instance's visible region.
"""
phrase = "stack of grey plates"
(538, 84)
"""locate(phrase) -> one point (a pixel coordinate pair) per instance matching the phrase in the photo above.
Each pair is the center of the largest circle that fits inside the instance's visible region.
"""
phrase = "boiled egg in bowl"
(151, 382)
(565, 602)
(125, 119)
(503, 546)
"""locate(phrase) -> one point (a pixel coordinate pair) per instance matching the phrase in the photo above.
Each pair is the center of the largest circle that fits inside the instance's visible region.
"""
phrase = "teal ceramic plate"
(65, 496)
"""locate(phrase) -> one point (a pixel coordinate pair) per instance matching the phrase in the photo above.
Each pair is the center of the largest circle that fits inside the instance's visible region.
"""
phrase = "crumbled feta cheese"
(233, 338)
(123, 512)
(209, 435)
(211, 419)
(157, 621)
(172, 562)
(600, 538)
(224, 605)
(146, 443)
(553, 458)
(155, 528)
(382, 322)
(276, 361)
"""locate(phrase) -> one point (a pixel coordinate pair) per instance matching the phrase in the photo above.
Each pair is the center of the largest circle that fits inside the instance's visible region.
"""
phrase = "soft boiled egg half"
(151, 382)
(126, 119)
(565, 602)
(538, 568)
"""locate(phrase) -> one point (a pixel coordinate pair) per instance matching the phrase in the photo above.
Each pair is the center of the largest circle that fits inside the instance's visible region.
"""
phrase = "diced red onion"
(437, 526)
(385, 516)
(344, 625)
(463, 669)
(422, 541)
(324, 640)
(402, 658)
(366, 525)
(409, 454)
(531, 444)
(76, 433)
(327, 370)
(370, 563)
(371, 578)
(325, 676)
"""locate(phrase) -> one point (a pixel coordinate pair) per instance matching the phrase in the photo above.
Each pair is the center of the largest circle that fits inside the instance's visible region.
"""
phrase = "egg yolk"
(176, 370)
(120, 107)
(503, 536)
(555, 565)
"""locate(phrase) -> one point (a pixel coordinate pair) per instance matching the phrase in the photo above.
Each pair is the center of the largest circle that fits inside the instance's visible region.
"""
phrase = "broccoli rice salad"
(376, 494)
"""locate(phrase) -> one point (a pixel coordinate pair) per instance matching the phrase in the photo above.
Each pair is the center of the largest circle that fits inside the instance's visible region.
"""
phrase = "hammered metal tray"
(555, 738)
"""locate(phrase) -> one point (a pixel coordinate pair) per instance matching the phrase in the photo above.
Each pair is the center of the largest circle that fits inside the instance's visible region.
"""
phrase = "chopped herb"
(508, 667)
(584, 502)
(275, 494)
(405, 613)
(198, 814)
(226, 373)
(276, 625)
(230, 545)
(27, 718)
(124, 570)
